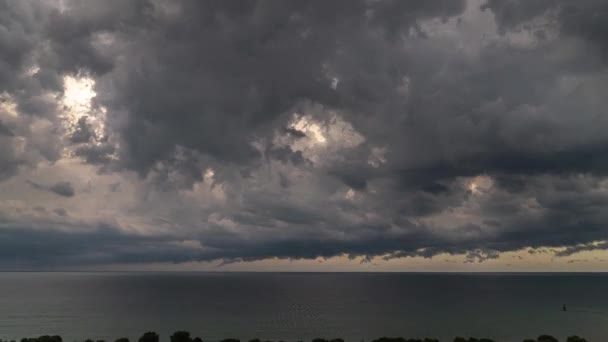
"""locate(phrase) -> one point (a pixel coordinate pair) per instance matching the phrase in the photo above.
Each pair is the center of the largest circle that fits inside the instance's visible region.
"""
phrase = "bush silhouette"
(401, 339)
(575, 339)
(546, 338)
(184, 336)
(231, 340)
(150, 336)
(43, 338)
(390, 339)
(181, 336)
(319, 340)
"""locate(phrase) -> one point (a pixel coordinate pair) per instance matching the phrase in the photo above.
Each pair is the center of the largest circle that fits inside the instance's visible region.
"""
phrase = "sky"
(343, 135)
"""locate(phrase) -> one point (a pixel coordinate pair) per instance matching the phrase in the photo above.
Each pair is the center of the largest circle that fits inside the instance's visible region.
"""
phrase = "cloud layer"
(162, 131)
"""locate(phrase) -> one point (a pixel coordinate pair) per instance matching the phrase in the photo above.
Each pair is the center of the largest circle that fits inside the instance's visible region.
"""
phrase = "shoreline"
(184, 336)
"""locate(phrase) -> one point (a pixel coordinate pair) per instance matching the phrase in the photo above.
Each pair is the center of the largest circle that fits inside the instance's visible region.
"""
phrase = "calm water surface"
(301, 306)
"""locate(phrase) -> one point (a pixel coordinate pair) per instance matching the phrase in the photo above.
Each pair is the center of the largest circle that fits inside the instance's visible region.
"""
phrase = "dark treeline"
(184, 336)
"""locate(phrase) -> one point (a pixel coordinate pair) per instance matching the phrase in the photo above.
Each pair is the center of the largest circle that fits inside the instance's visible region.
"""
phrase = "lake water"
(301, 306)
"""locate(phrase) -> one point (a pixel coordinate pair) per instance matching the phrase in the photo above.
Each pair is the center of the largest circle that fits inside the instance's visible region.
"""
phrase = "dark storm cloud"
(22, 35)
(581, 19)
(23, 24)
(412, 105)
(510, 14)
(232, 70)
(26, 248)
(20, 30)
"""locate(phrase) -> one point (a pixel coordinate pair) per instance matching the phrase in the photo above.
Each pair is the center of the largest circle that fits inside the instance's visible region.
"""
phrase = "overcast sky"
(304, 135)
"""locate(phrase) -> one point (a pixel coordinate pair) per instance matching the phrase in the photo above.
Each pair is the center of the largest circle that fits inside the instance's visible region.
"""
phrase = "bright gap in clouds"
(77, 95)
(8, 105)
(310, 128)
(480, 184)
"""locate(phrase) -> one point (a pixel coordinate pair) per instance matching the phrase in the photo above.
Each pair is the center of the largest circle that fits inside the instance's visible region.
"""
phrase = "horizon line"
(309, 272)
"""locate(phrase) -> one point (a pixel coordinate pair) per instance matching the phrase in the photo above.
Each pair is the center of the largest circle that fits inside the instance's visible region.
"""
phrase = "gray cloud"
(9, 161)
(83, 132)
(64, 189)
(61, 212)
(480, 255)
(5, 130)
(582, 247)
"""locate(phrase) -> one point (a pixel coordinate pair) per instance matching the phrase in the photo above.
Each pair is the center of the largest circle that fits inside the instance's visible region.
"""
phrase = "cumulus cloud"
(271, 129)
